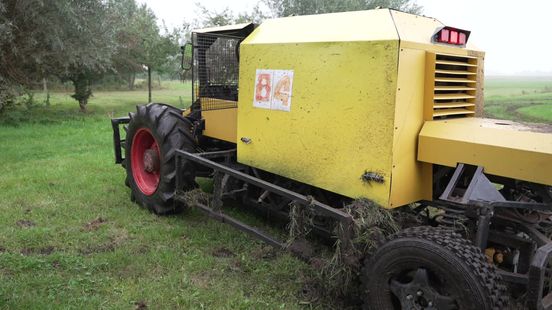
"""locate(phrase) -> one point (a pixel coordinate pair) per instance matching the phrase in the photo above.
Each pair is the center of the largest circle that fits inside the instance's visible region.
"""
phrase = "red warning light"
(450, 35)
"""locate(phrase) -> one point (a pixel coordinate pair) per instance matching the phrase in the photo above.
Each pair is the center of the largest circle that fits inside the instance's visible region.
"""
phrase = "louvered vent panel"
(454, 90)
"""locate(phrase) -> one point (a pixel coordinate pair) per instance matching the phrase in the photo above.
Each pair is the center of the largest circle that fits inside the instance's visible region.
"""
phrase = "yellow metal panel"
(221, 124)
(502, 149)
(429, 85)
(414, 28)
(417, 31)
(341, 119)
(445, 112)
(479, 111)
(411, 179)
(336, 27)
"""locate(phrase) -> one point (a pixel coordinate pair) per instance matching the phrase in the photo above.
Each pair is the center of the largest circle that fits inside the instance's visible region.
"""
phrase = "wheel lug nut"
(408, 297)
(419, 293)
(430, 304)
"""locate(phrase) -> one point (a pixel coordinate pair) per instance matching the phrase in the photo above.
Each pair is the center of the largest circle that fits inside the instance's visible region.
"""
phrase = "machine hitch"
(118, 144)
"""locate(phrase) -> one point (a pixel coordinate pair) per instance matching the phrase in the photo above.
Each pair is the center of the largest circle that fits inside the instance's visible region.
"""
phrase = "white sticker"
(273, 89)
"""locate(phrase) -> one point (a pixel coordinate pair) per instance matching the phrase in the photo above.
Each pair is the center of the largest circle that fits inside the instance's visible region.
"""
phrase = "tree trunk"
(82, 105)
(82, 90)
(149, 84)
(131, 80)
(159, 80)
(46, 91)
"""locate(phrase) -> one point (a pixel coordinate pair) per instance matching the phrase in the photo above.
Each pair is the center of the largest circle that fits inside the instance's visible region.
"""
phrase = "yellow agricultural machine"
(319, 111)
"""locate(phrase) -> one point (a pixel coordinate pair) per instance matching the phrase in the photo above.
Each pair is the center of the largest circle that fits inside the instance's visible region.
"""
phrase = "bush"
(8, 93)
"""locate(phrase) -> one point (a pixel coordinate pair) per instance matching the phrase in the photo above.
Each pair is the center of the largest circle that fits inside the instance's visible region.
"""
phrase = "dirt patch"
(143, 249)
(140, 305)
(40, 251)
(109, 246)
(302, 248)
(2, 249)
(194, 197)
(222, 252)
(94, 225)
(56, 264)
(314, 292)
(99, 248)
(25, 223)
(236, 266)
(201, 280)
(265, 252)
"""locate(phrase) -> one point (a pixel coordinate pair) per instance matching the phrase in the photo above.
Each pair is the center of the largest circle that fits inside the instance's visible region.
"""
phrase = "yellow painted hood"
(502, 148)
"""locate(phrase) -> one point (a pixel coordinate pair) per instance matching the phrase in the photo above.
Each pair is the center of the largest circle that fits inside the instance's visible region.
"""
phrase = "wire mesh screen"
(215, 79)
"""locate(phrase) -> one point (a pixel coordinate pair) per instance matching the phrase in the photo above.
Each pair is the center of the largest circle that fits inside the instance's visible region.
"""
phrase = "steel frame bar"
(316, 206)
(219, 216)
(223, 172)
(117, 142)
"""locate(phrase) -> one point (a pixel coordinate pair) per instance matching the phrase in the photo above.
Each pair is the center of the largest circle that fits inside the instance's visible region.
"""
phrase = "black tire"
(430, 264)
(171, 132)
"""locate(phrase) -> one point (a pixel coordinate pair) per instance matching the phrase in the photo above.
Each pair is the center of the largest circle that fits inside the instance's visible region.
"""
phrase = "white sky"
(515, 34)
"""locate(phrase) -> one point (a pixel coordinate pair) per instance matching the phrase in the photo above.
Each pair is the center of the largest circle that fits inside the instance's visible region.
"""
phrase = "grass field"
(518, 98)
(70, 237)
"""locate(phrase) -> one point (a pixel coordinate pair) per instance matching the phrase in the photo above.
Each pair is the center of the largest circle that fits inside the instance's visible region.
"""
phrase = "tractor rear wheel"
(430, 268)
(154, 133)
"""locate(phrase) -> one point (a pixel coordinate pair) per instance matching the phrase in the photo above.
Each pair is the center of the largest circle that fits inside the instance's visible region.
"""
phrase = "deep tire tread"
(472, 256)
(171, 130)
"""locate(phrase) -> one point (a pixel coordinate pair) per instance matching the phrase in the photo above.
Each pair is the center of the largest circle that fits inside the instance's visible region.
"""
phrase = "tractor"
(313, 113)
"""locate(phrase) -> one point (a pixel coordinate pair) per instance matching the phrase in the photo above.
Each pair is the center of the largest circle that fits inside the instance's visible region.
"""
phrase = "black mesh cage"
(215, 78)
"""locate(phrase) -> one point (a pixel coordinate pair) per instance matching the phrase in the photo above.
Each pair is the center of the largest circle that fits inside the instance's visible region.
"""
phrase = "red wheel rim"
(145, 175)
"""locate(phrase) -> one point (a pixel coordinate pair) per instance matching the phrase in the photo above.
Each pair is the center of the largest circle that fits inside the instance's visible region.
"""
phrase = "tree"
(142, 44)
(214, 18)
(132, 22)
(78, 41)
(280, 8)
(73, 40)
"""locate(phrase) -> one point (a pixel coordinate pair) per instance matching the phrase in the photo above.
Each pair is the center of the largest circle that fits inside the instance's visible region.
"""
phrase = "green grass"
(71, 239)
(521, 99)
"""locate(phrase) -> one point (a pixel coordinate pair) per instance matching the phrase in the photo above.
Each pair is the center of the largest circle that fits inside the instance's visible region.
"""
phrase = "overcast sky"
(515, 34)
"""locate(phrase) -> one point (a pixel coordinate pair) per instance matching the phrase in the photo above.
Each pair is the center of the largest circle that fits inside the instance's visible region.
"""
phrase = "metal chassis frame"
(224, 172)
(484, 212)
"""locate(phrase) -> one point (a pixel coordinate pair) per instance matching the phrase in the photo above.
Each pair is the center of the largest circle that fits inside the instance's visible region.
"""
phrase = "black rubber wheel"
(154, 133)
(430, 268)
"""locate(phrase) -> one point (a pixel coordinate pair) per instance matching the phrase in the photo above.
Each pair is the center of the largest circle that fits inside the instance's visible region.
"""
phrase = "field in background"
(70, 237)
(519, 98)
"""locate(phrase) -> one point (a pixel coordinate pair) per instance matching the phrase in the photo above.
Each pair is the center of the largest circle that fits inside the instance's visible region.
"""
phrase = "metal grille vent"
(454, 86)
(215, 78)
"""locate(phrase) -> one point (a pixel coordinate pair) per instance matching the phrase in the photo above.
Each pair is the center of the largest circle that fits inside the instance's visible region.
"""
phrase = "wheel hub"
(145, 161)
(419, 294)
(151, 161)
